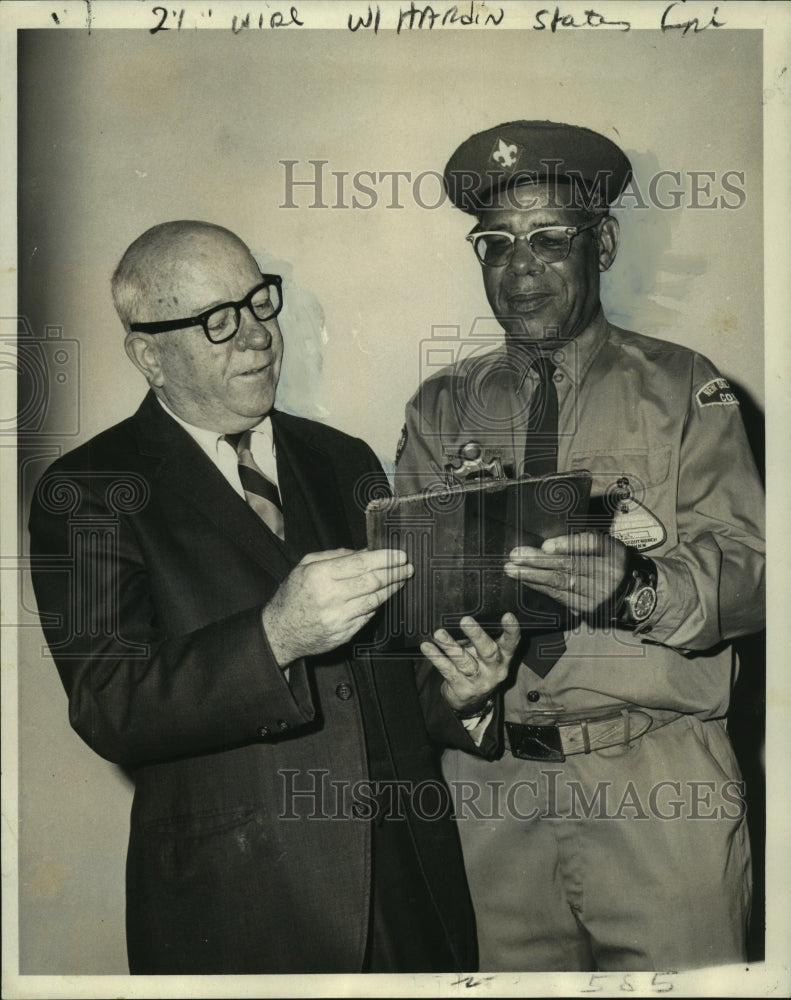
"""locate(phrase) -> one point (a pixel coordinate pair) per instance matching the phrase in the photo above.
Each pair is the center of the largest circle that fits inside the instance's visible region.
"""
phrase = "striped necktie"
(540, 459)
(259, 490)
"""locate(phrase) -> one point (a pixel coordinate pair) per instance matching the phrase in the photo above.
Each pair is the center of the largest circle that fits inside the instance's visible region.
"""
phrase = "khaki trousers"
(628, 858)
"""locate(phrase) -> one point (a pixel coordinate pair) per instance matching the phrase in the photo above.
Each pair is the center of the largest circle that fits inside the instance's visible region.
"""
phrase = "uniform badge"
(633, 523)
(718, 392)
(401, 444)
(506, 154)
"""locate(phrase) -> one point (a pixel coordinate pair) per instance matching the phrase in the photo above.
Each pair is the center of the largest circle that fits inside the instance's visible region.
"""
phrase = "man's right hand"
(328, 597)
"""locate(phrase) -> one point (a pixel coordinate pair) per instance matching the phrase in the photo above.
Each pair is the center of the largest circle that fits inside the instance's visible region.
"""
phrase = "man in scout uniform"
(610, 834)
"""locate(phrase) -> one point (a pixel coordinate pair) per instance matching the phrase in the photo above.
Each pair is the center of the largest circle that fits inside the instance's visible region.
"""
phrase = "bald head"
(170, 276)
(146, 282)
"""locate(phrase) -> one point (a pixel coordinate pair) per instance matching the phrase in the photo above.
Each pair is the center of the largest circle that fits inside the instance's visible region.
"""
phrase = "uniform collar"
(573, 358)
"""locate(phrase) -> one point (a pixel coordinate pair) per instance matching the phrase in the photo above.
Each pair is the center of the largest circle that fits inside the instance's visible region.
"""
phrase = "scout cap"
(591, 168)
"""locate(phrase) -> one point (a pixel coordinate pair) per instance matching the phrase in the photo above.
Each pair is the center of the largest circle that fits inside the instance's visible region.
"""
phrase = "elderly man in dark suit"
(288, 814)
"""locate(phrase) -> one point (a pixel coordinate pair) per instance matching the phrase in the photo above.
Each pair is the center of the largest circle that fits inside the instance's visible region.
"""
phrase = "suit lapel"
(316, 519)
(185, 472)
(313, 510)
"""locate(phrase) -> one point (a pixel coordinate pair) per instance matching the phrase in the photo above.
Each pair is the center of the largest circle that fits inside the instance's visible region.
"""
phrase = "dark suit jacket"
(150, 574)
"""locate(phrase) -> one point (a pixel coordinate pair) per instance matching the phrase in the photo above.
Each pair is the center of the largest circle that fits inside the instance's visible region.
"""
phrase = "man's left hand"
(581, 571)
(472, 671)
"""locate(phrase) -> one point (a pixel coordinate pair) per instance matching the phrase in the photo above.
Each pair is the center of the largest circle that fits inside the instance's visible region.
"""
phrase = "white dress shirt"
(223, 453)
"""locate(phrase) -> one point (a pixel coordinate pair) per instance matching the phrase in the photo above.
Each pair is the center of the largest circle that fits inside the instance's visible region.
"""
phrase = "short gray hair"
(142, 274)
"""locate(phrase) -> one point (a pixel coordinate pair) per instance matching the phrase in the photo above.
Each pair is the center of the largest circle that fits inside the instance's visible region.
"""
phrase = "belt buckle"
(535, 742)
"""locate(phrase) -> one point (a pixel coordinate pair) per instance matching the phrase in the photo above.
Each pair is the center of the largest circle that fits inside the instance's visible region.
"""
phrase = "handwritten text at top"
(682, 16)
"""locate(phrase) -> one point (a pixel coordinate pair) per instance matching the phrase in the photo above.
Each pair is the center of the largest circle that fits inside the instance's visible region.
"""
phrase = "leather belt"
(555, 743)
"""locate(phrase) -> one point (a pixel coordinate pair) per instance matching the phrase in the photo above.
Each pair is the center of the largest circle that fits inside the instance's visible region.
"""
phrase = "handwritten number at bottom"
(625, 982)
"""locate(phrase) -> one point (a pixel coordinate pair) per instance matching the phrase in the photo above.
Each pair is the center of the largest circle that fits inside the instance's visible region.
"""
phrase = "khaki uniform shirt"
(660, 417)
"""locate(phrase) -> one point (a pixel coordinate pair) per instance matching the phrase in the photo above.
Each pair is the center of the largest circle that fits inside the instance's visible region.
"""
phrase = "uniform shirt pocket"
(631, 495)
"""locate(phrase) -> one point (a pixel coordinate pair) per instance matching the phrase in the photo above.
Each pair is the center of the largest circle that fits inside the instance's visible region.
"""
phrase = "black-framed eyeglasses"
(551, 244)
(221, 323)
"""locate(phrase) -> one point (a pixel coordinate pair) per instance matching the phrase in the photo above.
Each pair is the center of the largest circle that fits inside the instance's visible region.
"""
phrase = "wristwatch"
(635, 600)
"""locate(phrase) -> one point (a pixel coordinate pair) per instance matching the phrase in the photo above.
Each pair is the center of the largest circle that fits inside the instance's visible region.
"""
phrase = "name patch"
(718, 392)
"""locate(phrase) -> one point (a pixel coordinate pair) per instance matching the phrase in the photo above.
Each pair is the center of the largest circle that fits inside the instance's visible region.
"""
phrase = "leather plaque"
(457, 538)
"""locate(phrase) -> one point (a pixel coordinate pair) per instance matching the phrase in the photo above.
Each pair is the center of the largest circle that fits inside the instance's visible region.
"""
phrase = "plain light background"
(119, 130)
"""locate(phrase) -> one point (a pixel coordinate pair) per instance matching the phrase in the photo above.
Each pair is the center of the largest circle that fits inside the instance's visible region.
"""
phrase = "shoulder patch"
(401, 444)
(717, 391)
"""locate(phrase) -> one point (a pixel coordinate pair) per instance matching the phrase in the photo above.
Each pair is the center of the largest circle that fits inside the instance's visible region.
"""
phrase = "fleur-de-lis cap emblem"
(506, 154)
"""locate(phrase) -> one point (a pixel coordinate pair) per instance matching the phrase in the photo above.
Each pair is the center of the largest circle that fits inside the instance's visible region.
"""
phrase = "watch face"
(642, 603)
